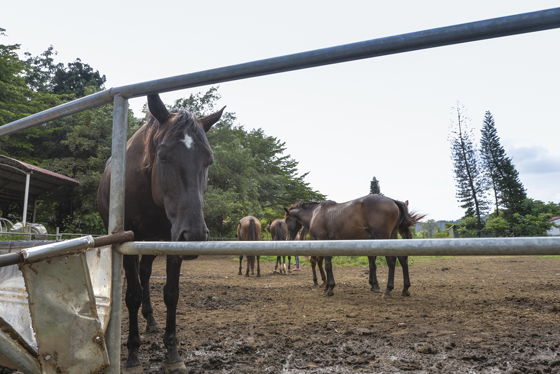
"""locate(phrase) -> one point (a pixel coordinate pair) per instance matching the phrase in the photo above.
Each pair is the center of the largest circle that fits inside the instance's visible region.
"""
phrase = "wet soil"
(464, 315)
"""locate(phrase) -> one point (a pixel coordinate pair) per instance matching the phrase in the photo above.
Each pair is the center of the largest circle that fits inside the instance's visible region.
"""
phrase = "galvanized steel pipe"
(17, 356)
(116, 224)
(415, 247)
(438, 37)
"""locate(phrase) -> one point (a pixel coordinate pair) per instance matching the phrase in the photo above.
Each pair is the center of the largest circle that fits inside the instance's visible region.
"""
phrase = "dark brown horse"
(249, 228)
(279, 231)
(370, 217)
(167, 162)
(316, 261)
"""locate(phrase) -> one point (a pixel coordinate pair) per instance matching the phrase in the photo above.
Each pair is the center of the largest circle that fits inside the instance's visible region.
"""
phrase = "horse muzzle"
(193, 235)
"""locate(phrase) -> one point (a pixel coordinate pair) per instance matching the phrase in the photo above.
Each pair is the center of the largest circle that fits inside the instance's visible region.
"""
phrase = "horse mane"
(303, 205)
(182, 119)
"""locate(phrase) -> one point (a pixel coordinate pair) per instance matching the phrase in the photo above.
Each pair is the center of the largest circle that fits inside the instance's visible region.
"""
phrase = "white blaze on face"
(188, 141)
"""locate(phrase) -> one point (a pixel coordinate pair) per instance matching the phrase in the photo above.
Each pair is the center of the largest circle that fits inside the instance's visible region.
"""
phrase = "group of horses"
(247, 231)
(369, 217)
(167, 163)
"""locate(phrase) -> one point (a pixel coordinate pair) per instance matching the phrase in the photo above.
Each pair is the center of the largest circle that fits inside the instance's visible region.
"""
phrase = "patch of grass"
(13, 237)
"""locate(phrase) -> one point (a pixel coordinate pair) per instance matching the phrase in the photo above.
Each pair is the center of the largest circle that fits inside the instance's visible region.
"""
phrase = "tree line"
(488, 185)
(251, 174)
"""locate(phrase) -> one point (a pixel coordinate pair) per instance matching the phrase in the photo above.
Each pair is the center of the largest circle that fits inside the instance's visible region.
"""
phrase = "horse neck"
(305, 214)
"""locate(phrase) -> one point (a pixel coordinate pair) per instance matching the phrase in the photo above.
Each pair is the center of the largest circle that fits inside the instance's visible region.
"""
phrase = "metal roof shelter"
(20, 180)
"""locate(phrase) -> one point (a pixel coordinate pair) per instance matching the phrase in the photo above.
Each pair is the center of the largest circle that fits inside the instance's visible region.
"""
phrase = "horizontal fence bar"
(401, 247)
(438, 37)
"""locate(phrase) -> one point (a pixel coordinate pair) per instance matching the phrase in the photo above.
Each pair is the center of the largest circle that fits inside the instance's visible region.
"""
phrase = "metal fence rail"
(403, 247)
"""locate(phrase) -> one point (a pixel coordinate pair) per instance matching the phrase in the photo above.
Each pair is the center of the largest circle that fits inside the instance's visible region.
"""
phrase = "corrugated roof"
(12, 179)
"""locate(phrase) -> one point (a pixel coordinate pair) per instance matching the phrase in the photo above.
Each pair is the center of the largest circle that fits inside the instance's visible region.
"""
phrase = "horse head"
(178, 156)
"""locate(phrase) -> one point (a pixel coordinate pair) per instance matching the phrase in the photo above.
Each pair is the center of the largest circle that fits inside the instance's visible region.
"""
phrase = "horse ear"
(158, 108)
(211, 119)
(406, 203)
(286, 210)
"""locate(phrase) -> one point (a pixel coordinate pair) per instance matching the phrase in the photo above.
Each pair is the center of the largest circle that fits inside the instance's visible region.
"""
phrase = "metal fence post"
(116, 222)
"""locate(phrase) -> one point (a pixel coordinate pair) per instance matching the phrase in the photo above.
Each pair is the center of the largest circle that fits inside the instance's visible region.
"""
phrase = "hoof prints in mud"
(483, 316)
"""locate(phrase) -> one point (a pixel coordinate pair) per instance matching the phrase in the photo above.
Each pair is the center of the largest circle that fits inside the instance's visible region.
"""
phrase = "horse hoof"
(386, 296)
(153, 329)
(406, 293)
(376, 289)
(329, 293)
(175, 368)
(133, 370)
(258, 275)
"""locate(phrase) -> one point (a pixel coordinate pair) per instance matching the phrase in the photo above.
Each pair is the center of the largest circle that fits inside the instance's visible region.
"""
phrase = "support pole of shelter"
(25, 199)
(116, 223)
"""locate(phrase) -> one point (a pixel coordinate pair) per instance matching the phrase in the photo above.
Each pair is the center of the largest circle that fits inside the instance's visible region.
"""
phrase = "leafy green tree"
(534, 218)
(17, 100)
(439, 233)
(430, 227)
(508, 189)
(468, 176)
(468, 227)
(374, 187)
(46, 76)
(497, 225)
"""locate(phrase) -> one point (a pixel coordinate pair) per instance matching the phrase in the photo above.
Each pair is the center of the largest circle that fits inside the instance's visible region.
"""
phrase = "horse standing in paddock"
(316, 261)
(369, 217)
(279, 231)
(167, 162)
(249, 228)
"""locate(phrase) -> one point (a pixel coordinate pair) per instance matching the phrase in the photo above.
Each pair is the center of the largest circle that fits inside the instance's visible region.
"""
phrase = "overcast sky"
(386, 117)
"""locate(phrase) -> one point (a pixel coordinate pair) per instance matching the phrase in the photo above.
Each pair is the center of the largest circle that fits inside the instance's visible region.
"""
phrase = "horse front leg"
(391, 262)
(133, 299)
(313, 261)
(147, 311)
(258, 266)
(403, 260)
(320, 265)
(289, 260)
(173, 362)
(373, 274)
(240, 261)
(330, 284)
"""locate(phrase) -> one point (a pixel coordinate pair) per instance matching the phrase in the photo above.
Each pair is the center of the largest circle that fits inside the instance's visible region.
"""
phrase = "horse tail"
(280, 235)
(252, 230)
(408, 219)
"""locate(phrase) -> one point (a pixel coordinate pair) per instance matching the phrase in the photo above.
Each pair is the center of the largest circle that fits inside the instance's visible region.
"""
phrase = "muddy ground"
(464, 315)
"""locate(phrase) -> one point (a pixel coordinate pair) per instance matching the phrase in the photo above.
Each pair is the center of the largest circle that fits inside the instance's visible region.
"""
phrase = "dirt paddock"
(464, 315)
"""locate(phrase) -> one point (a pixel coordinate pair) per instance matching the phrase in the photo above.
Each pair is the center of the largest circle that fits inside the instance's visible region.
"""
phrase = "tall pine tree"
(509, 192)
(374, 187)
(468, 176)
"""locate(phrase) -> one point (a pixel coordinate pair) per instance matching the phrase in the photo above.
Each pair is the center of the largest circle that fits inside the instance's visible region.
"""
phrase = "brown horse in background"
(249, 229)
(167, 162)
(369, 217)
(279, 231)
